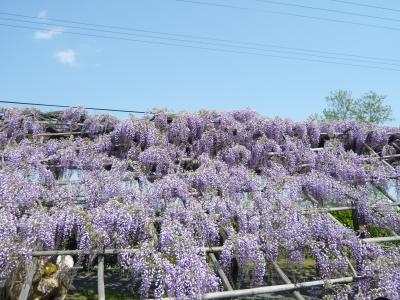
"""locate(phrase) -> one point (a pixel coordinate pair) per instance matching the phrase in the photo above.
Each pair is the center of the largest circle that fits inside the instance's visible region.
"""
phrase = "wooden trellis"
(229, 291)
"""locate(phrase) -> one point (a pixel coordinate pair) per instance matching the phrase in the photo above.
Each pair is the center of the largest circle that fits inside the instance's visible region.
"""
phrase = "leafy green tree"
(370, 108)
(342, 106)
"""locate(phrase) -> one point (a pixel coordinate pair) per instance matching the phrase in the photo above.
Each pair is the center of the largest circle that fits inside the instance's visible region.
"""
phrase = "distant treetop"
(342, 106)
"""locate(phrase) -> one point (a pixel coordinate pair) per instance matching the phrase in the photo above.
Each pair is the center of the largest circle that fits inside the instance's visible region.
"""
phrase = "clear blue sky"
(54, 67)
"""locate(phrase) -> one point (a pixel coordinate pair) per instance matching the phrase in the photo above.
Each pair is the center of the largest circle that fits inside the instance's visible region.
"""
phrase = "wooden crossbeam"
(275, 288)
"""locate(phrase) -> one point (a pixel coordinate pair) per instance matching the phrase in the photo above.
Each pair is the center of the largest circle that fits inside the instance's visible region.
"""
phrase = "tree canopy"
(342, 106)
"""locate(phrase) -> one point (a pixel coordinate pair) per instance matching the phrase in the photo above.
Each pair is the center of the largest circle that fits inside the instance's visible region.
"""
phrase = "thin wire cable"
(69, 106)
(205, 38)
(206, 48)
(366, 5)
(206, 43)
(206, 3)
(328, 10)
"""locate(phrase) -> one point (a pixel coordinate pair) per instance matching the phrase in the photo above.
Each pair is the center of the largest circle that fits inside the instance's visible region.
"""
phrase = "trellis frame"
(229, 291)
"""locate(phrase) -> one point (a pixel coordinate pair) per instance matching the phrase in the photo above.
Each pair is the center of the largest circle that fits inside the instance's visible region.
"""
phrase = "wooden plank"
(26, 287)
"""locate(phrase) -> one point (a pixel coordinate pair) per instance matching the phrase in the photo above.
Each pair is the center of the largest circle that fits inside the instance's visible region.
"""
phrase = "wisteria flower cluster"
(170, 187)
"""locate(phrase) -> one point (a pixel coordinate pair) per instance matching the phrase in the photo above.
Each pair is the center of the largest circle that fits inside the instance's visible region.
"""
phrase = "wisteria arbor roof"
(193, 204)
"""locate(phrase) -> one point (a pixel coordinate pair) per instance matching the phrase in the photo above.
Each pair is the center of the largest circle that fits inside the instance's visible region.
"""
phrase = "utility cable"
(206, 48)
(69, 106)
(366, 5)
(204, 43)
(207, 3)
(328, 10)
(204, 38)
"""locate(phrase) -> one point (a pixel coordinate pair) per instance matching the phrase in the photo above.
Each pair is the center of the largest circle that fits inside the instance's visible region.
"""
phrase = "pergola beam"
(204, 249)
(84, 252)
(230, 292)
(372, 151)
(275, 288)
(382, 239)
(397, 147)
(59, 133)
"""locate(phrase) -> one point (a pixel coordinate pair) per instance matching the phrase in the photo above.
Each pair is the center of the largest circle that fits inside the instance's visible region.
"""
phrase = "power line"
(366, 5)
(329, 10)
(204, 38)
(206, 3)
(205, 48)
(69, 106)
(207, 43)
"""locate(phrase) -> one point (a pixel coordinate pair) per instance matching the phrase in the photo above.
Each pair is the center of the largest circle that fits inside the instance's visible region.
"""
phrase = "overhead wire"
(366, 5)
(203, 37)
(328, 10)
(70, 106)
(223, 5)
(204, 42)
(205, 48)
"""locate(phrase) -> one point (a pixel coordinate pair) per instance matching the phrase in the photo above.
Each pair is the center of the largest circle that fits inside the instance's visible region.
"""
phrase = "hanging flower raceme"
(245, 250)
(168, 187)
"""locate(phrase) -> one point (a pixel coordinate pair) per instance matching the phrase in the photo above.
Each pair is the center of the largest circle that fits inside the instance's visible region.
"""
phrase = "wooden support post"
(385, 193)
(372, 151)
(26, 287)
(340, 224)
(355, 219)
(100, 278)
(221, 272)
(286, 279)
(310, 197)
(397, 147)
(353, 270)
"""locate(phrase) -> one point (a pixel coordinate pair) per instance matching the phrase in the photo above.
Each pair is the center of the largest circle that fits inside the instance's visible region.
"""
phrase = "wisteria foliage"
(170, 185)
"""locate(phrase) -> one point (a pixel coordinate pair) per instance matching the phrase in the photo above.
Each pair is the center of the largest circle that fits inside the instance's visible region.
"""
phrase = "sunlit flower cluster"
(171, 185)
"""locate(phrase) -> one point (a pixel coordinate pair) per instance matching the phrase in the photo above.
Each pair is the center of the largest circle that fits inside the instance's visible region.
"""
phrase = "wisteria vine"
(171, 185)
